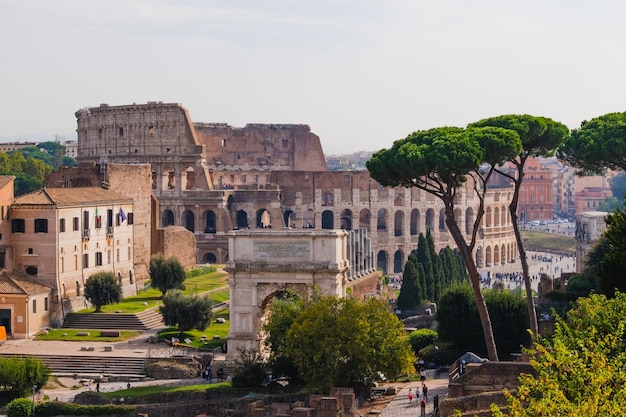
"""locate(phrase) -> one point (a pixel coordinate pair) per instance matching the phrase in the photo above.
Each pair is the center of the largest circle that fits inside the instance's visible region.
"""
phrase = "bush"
(200, 271)
(55, 408)
(421, 338)
(250, 371)
(20, 407)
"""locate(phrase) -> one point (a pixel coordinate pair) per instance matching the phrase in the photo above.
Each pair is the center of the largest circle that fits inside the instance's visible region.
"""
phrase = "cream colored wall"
(24, 322)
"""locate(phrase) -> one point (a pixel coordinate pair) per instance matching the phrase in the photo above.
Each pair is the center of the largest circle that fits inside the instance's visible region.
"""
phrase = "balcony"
(109, 231)
(85, 234)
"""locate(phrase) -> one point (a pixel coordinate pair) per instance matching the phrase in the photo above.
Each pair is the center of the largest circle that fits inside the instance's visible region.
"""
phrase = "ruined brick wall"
(279, 147)
(178, 242)
(366, 286)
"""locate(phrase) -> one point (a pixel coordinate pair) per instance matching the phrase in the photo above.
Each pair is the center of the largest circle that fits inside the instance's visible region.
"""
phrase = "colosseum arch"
(189, 179)
(167, 218)
(365, 219)
(346, 219)
(263, 219)
(381, 219)
(469, 220)
(415, 222)
(189, 220)
(328, 219)
(290, 218)
(209, 258)
(398, 223)
(381, 261)
(242, 219)
(442, 220)
(398, 261)
(210, 222)
(430, 220)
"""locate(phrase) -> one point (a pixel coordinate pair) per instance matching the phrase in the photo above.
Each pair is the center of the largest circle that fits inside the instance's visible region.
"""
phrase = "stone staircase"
(92, 366)
(145, 320)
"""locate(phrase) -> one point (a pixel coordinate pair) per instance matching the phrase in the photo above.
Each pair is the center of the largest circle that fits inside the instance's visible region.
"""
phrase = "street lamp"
(34, 389)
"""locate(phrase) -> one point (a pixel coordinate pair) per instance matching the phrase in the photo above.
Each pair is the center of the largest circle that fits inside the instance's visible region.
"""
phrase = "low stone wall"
(482, 385)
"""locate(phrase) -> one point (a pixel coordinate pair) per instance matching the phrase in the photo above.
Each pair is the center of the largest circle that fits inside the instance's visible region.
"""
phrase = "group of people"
(207, 374)
(424, 392)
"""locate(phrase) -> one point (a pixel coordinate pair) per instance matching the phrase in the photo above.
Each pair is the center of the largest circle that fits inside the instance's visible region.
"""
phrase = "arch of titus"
(265, 263)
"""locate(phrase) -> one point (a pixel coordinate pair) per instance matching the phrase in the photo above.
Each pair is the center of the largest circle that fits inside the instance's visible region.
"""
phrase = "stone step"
(146, 320)
(91, 365)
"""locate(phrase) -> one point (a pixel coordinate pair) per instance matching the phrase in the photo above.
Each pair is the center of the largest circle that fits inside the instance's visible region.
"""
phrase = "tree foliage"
(421, 338)
(580, 368)
(186, 312)
(166, 274)
(411, 294)
(458, 320)
(19, 375)
(440, 161)
(101, 289)
(540, 136)
(613, 263)
(29, 172)
(598, 144)
(346, 342)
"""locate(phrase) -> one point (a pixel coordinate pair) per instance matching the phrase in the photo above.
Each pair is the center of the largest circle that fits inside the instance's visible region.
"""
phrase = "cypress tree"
(409, 297)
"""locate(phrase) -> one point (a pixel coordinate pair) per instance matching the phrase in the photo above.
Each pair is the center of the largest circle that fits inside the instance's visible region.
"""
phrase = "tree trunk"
(530, 301)
(481, 305)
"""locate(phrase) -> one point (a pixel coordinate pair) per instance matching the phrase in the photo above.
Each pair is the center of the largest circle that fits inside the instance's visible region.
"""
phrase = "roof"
(6, 179)
(14, 282)
(71, 197)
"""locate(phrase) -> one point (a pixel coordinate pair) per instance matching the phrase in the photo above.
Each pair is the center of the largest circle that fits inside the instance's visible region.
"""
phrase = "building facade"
(62, 236)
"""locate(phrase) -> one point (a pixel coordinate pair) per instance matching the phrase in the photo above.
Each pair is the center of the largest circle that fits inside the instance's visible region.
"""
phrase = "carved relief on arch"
(266, 292)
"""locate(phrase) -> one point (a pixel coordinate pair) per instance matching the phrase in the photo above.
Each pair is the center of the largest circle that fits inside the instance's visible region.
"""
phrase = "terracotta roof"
(5, 179)
(71, 197)
(13, 282)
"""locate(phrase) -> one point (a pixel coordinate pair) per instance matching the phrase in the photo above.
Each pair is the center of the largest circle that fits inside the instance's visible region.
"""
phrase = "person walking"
(425, 392)
(410, 395)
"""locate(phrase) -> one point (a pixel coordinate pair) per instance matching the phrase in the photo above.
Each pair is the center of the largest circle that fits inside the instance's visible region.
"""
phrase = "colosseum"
(212, 178)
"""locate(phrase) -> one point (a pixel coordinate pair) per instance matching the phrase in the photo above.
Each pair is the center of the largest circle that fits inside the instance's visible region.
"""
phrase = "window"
(117, 255)
(75, 223)
(285, 143)
(129, 253)
(41, 225)
(109, 257)
(98, 222)
(121, 131)
(98, 258)
(61, 225)
(18, 226)
(85, 260)
(30, 251)
(131, 218)
(34, 306)
(45, 304)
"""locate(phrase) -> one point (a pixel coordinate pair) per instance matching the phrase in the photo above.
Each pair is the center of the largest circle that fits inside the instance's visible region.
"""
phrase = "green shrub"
(20, 407)
(200, 271)
(421, 338)
(55, 408)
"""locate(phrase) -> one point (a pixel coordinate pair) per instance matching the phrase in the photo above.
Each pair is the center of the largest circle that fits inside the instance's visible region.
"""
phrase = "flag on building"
(122, 215)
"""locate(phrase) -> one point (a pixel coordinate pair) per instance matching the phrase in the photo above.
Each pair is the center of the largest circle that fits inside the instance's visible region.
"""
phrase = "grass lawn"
(215, 329)
(216, 283)
(548, 242)
(94, 335)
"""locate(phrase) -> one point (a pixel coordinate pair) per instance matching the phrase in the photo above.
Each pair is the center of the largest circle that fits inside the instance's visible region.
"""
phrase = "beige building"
(24, 304)
(62, 236)
(589, 227)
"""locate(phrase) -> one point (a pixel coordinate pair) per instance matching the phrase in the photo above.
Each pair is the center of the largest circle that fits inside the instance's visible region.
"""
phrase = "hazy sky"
(361, 73)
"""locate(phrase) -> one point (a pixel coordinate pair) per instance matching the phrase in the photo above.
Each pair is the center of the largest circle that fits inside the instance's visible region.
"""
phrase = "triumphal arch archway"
(264, 263)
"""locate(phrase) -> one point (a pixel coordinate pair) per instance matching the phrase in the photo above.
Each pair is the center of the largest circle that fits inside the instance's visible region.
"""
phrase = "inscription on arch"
(283, 249)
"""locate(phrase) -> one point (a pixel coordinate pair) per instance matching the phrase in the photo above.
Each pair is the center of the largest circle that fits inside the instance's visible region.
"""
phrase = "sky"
(360, 73)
